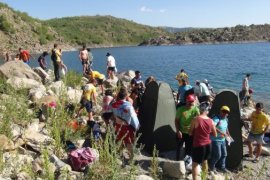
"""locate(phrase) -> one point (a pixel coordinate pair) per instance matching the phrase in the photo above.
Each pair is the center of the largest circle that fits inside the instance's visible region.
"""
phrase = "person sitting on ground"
(100, 78)
(84, 58)
(126, 121)
(111, 66)
(88, 98)
(25, 55)
(42, 61)
(182, 92)
(183, 118)
(259, 125)
(219, 149)
(200, 129)
(182, 75)
(106, 111)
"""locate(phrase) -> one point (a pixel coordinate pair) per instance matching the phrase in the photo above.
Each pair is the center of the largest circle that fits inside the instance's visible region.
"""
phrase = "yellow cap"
(225, 108)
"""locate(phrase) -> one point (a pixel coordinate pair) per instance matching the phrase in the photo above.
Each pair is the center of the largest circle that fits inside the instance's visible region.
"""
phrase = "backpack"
(80, 158)
(54, 56)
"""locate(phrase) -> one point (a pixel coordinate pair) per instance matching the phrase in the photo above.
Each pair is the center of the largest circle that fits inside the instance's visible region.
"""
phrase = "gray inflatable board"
(235, 150)
(157, 115)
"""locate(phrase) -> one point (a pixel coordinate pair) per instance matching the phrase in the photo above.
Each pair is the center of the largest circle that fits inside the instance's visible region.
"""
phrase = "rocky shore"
(31, 133)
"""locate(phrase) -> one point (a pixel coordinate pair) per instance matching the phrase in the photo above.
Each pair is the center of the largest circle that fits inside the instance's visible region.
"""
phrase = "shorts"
(111, 69)
(202, 153)
(256, 137)
(125, 133)
(99, 81)
(88, 105)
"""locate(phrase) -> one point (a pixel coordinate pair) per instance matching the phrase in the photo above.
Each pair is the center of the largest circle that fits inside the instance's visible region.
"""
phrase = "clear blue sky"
(175, 13)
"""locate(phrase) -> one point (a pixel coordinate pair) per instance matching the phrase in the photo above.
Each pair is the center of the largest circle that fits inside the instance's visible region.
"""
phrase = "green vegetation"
(5, 26)
(103, 30)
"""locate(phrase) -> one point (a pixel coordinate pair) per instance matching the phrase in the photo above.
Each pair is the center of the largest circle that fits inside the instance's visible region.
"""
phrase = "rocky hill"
(17, 29)
(235, 34)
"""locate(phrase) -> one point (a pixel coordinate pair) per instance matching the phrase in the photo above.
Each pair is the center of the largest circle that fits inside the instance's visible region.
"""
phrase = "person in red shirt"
(25, 55)
(201, 128)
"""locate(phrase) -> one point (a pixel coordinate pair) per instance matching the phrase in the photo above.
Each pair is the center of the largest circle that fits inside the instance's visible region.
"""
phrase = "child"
(259, 125)
(107, 99)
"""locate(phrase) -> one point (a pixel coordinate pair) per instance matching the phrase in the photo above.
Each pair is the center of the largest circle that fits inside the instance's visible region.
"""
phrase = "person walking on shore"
(219, 149)
(83, 56)
(111, 66)
(259, 125)
(245, 89)
(42, 61)
(200, 129)
(56, 54)
(184, 116)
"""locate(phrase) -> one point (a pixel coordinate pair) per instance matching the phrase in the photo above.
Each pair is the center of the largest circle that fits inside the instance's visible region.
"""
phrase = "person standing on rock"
(25, 55)
(182, 75)
(259, 125)
(182, 92)
(245, 89)
(84, 57)
(200, 129)
(111, 66)
(100, 78)
(184, 116)
(42, 61)
(219, 149)
(56, 54)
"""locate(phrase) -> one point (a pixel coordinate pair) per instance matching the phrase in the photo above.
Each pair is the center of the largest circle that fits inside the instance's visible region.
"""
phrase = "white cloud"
(162, 10)
(145, 9)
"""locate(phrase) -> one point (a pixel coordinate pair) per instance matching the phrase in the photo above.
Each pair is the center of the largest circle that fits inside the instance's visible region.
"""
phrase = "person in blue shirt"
(182, 92)
(219, 150)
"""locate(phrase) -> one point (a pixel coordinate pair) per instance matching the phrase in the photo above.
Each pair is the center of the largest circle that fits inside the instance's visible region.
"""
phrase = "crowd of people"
(204, 137)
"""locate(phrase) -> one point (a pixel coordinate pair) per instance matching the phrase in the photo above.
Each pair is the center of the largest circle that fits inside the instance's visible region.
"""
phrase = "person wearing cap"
(111, 66)
(182, 75)
(259, 125)
(219, 150)
(184, 115)
(200, 129)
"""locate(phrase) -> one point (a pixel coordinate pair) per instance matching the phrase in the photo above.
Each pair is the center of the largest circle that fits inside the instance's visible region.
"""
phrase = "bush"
(5, 25)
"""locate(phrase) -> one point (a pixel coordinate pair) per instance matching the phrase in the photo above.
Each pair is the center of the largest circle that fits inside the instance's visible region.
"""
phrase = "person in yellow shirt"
(259, 125)
(180, 76)
(99, 78)
(88, 98)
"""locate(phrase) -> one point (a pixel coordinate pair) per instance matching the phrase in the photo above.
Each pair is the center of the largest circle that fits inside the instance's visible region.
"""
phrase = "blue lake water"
(223, 65)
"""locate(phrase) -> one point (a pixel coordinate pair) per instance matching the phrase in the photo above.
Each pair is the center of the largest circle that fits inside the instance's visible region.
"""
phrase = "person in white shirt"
(204, 94)
(111, 66)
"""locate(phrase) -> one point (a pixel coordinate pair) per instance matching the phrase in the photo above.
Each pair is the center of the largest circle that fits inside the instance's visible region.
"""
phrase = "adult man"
(182, 75)
(83, 56)
(111, 66)
(219, 150)
(126, 120)
(181, 95)
(259, 125)
(42, 61)
(204, 93)
(183, 118)
(25, 55)
(56, 54)
(137, 82)
(245, 89)
(99, 78)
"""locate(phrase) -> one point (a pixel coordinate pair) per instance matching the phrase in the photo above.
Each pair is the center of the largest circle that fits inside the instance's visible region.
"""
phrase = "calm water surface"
(223, 65)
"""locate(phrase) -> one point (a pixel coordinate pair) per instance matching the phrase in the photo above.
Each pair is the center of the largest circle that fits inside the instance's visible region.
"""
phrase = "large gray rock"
(58, 88)
(74, 95)
(175, 169)
(143, 177)
(37, 93)
(6, 144)
(18, 69)
(43, 74)
(23, 83)
(111, 83)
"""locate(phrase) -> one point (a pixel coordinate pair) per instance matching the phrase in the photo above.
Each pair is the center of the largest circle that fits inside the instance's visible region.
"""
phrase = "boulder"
(111, 83)
(58, 88)
(21, 83)
(175, 169)
(16, 131)
(18, 69)
(6, 144)
(143, 177)
(37, 93)
(74, 95)
(43, 74)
